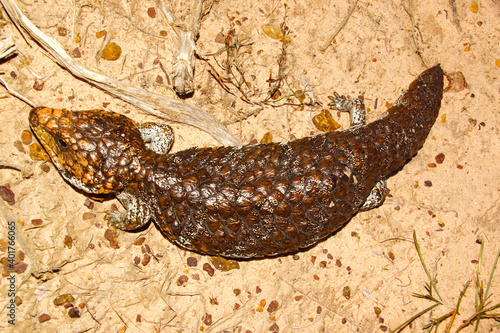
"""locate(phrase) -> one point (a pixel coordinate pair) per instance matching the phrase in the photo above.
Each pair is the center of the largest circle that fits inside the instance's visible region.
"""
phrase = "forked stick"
(183, 74)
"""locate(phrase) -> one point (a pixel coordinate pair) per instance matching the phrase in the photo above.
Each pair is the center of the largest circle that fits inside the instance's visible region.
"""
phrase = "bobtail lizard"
(240, 202)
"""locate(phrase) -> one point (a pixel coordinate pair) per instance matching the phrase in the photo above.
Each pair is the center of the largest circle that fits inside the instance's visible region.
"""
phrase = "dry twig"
(340, 26)
(183, 73)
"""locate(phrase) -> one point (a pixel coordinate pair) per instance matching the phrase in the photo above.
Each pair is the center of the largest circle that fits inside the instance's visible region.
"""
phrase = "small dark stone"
(74, 312)
(439, 158)
(43, 318)
(209, 269)
(192, 261)
(183, 279)
(38, 86)
(37, 222)
(7, 195)
(151, 12)
(62, 31)
(76, 53)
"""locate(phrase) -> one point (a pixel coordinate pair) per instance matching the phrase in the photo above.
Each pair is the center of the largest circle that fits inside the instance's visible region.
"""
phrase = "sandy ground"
(360, 280)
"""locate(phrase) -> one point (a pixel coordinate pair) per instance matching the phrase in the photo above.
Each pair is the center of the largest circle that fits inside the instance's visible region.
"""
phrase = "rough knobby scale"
(240, 202)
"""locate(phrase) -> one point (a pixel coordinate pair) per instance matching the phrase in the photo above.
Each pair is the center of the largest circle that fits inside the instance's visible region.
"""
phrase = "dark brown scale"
(257, 200)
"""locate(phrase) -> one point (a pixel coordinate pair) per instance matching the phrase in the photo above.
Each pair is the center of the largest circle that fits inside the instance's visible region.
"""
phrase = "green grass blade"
(433, 286)
(491, 276)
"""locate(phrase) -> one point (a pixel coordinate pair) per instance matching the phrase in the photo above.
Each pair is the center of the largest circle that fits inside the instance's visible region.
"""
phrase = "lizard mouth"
(34, 116)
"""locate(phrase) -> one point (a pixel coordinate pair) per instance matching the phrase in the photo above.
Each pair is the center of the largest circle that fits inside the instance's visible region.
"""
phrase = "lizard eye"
(62, 143)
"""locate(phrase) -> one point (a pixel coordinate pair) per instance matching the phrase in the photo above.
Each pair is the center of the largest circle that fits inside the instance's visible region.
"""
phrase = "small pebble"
(325, 122)
(182, 280)
(273, 306)
(7, 195)
(19, 146)
(45, 168)
(207, 319)
(112, 236)
(26, 137)
(68, 241)
(111, 52)
(38, 85)
(74, 312)
(63, 299)
(62, 31)
(89, 203)
(139, 241)
(192, 261)
(100, 34)
(439, 158)
(346, 292)
(88, 216)
(151, 12)
(209, 269)
(147, 258)
(76, 53)
(43, 318)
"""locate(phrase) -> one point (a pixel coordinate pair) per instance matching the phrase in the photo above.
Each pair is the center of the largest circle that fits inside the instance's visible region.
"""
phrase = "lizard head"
(96, 151)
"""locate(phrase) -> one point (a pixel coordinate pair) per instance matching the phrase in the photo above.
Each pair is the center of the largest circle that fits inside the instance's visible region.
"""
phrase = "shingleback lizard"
(240, 202)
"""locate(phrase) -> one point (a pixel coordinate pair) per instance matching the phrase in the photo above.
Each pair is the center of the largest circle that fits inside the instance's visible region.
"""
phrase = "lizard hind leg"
(160, 136)
(355, 107)
(357, 112)
(376, 196)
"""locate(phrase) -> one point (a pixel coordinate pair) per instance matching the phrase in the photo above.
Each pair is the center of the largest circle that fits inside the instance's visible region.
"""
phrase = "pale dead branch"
(187, 34)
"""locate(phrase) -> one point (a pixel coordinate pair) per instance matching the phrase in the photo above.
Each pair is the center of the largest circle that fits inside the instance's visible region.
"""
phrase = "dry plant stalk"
(183, 73)
(157, 105)
(7, 47)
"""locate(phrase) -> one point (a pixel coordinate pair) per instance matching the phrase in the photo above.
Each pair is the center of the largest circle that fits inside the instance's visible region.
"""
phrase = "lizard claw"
(114, 219)
(339, 102)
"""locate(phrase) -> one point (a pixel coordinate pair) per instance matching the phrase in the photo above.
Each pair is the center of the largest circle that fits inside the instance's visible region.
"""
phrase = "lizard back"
(270, 199)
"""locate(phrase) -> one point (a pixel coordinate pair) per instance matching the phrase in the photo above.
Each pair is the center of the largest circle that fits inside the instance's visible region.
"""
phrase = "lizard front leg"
(160, 136)
(137, 215)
